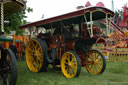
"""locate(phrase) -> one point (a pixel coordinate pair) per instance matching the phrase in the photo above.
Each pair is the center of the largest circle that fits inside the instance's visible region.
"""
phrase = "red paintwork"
(87, 4)
(123, 21)
(101, 40)
(123, 24)
(124, 13)
(83, 58)
(69, 45)
(100, 4)
(57, 41)
(52, 46)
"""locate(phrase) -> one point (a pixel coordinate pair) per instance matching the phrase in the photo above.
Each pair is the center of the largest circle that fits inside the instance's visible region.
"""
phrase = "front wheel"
(70, 64)
(95, 62)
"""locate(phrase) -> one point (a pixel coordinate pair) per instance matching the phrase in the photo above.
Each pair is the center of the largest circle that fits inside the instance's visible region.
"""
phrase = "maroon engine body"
(80, 41)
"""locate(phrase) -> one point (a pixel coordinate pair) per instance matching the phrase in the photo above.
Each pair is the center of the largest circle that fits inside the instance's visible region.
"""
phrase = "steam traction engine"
(8, 68)
(67, 42)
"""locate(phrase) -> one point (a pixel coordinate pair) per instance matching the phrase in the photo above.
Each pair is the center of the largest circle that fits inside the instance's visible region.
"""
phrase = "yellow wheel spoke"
(68, 57)
(100, 59)
(39, 58)
(70, 71)
(32, 44)
(37, 45)
(90, 55)
(73, 61)
(74, 69)
(36, 65)
(66, 62)
(97, 56)
(99, 65)
(96, 68)
(38, 49)
(30, 50)
(38, 62)
(91, 66)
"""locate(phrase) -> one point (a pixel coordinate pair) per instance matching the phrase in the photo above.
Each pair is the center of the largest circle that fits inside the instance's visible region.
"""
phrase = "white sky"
(51, 8)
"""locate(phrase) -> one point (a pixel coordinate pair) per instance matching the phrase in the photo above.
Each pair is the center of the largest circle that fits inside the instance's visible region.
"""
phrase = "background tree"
(116, 16)
(17, 20)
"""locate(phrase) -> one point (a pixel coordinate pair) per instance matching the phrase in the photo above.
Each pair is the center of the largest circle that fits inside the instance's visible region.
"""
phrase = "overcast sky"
(51, 8)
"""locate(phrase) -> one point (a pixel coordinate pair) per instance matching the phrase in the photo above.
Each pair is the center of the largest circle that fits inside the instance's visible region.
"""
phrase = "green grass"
(116, 73)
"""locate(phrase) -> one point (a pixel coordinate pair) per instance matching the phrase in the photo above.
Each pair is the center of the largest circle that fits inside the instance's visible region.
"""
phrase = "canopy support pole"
(107, 26)
(2, 17)
(90, 29)
(91, 24)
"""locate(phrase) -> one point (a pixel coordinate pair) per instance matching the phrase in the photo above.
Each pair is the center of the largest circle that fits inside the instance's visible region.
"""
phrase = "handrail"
(118, 28)
(114, 25)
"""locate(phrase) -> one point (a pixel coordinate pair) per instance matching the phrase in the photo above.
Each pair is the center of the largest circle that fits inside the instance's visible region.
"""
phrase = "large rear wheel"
(8, 68)
(36, 55)
(95, 62)
(70, 64)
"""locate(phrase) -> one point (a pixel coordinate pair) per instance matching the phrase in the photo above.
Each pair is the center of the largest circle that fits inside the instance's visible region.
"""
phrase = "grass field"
(116, 73)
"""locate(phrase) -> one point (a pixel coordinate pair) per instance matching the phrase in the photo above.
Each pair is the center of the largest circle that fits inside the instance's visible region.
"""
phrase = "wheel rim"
(34, 56)
(94, 62)
(69, 65)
